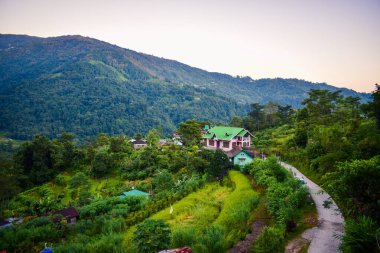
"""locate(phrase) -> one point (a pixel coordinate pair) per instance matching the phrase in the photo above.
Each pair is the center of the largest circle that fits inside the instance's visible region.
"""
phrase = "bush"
(71, 247)
(360, 236)
(110, 243)
(182, 237)
(152, 236)
(284, 195)
(60, 180)
(270, 240)
(212, 241)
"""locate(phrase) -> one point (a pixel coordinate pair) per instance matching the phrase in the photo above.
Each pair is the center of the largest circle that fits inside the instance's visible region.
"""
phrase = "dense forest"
(85, 86)
(212, 204)
(58, 173)
(335, 141)
(197, 198)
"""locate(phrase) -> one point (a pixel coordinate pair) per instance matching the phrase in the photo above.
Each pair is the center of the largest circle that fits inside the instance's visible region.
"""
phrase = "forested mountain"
(85, 86)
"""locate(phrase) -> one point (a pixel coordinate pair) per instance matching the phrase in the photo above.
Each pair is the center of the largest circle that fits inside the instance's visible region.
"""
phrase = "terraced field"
(224, 206)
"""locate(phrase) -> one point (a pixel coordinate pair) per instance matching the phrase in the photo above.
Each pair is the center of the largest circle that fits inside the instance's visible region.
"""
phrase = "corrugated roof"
(70, 212)
(139, 142)
(225, 133)
(135, 193)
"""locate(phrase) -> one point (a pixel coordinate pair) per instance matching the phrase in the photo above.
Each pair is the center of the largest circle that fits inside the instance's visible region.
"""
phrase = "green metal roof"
(134, 193)
(242, 133)
(225, 133)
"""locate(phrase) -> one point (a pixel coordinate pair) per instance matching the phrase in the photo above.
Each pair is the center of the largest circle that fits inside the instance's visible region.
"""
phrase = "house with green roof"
(240, 156)
(227, 138)
(134, 193)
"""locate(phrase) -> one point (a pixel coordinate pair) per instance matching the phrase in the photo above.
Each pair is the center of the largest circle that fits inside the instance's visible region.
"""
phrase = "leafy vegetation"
(236, 209)
(152, 236)
(86, 87)
(335, 141)
(285, 198)
(211, 219)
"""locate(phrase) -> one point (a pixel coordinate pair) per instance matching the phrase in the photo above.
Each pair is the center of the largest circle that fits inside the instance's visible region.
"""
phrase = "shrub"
(110, 243)
(60, 180)
(212, 240)
(71, 247)
(270, 240)
(284, 195)
(360, 236)
(152, 236)
(182, 237)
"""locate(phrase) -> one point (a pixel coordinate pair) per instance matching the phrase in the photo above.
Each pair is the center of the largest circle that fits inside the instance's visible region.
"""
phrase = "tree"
(163, 181)
(153, 137)
(271, 114)
(102, 140)
(37, 160)
(119, 144)
(236, 122)
(9, 180)
(80, 180)
(219, 163)
(320, 105)
(255, 117)
(356, 186)
(285, 113)
(190, 132)
(376, 105)
(102, 164)
(68, 152)
(152, 236)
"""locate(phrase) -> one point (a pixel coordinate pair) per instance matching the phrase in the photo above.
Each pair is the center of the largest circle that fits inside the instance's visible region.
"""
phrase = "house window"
(233, 144)
(241, 160)
(211, 142)
(226, 144)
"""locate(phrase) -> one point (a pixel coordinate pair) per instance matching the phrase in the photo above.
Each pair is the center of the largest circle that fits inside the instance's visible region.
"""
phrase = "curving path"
(330, 220)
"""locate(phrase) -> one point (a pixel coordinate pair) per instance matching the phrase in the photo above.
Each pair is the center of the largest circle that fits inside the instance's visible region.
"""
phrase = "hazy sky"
(333, 41)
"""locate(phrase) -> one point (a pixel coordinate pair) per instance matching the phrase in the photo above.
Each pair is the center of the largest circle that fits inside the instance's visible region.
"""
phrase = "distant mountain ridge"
(86, 86)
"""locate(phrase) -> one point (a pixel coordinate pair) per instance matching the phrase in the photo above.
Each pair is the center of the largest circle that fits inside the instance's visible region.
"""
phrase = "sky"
(332, 41)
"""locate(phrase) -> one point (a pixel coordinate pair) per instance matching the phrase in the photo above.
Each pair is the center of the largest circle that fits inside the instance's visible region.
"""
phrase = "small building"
(69, 214)
(139, 144)
(134, 193)
(162, 142)
(226, 138)
(10, 221)
(5, 224)
(240, 156)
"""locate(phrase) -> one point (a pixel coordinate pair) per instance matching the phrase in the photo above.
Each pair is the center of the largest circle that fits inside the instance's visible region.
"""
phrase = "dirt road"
(330, 220)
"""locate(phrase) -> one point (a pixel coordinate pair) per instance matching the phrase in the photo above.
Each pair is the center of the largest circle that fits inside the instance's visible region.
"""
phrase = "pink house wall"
(238, 141)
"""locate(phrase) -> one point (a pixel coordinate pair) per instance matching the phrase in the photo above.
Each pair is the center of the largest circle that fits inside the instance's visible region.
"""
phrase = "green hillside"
(85, 86)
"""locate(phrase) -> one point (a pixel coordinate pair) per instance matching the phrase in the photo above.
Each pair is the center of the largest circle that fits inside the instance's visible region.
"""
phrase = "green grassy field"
(228, 207)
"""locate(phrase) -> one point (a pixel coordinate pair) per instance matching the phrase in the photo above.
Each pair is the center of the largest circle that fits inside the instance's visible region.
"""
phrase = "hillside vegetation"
(208, 215)
(85, 86)
(335, 141)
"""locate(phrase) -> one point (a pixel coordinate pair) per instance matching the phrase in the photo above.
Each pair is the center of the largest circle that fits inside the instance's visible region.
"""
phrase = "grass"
(226, 207)
(199, 209)
(235, 214)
